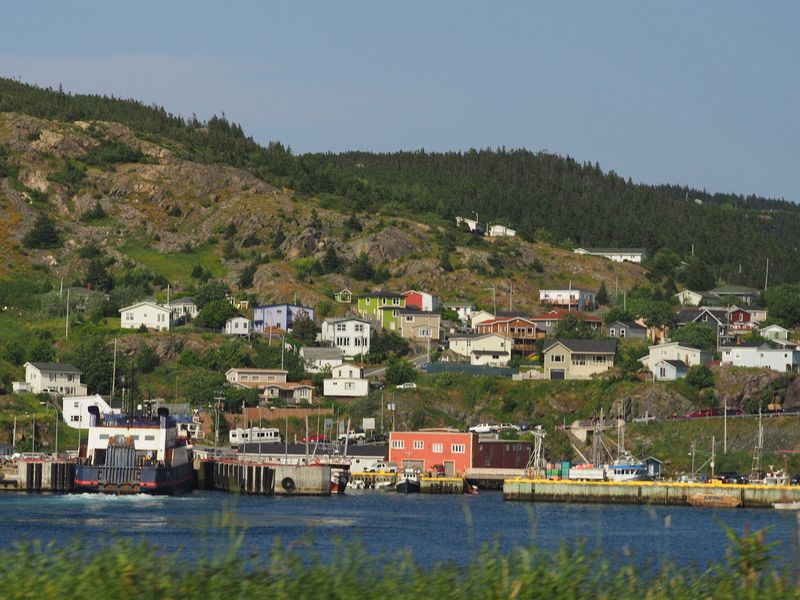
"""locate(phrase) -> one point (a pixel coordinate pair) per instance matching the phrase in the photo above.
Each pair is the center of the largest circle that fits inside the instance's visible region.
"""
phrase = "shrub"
(43, 234)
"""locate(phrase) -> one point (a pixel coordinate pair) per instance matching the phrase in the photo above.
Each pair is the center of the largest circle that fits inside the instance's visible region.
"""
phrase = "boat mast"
(536, 463)
(758, 451)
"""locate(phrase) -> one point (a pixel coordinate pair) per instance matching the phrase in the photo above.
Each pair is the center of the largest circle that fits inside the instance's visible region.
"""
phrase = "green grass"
(128, 570)
(176, 266)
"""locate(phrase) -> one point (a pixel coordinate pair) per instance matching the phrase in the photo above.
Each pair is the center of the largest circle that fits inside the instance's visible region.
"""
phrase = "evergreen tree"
(361, 269)
(43, 234)
(602, 294)
(330, 262)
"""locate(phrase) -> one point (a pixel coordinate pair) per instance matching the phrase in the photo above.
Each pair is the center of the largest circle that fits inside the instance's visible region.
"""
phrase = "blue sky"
(704, 94)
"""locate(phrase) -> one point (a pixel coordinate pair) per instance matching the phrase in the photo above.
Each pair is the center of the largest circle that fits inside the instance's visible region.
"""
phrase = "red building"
(423, 449)
(461, 453)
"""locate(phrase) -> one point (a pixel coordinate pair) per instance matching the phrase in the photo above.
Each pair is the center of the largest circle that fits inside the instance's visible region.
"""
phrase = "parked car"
(483, 428)
(383, 467)
(438, 470)
(507, 427)
(376, 438)
(408, 385)
(703, 412)
(354, 435)
(377, 384)
(795, 480)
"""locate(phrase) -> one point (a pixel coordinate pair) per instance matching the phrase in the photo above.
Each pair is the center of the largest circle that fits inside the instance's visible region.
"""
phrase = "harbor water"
(432, 528)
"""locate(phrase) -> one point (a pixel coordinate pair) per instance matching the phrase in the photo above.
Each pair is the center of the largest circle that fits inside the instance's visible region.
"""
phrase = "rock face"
(746, 388)
(384, 246)
(659, 402)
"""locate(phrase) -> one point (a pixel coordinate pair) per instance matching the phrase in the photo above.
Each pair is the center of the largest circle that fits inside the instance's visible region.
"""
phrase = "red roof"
(556, 314)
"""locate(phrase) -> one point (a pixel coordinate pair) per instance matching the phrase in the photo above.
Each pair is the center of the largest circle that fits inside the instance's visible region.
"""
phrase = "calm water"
(432, 527)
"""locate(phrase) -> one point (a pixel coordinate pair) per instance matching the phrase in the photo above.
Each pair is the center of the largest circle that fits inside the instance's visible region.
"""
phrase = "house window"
(409, 318)
(425, 333)
(358, 327)
(578, 359)
(437, 448)
(622, 333)
(349, 385)
(341, 327)
(558, 358)
(419, 445)
(76, 404)
(368, 300)
(396, 301)
(662, 373)
(398, 444)
(457, 448)
(612, 332)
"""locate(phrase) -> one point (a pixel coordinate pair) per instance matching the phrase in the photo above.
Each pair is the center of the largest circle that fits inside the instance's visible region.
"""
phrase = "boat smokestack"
(163, 413)
(94, 414)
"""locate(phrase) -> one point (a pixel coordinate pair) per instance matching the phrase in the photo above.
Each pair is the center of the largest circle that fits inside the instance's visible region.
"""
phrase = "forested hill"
(557, 199)
(543, 196)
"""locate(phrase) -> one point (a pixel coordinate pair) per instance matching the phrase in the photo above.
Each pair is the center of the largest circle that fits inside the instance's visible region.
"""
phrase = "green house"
(382, 308)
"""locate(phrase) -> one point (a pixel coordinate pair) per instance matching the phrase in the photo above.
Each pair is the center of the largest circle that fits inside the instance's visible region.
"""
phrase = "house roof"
(286, 385)
(678, 344)
(629, 325)
(311, 353)
(556, 314)
(288, 304)
(774, 328)
(345, 318)
(597, 346)
(184, 300)
(613, 250)
(54, 367)
(497, 320)
(479, 336)
(143, 302)
(419, 313)
(678, 364)
(735, 289)
(259, 371)
(458, 304)
(381, 294)
(490, 352)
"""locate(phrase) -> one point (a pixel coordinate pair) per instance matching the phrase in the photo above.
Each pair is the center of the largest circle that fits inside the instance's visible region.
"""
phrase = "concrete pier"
(242, 478)
(302, 480)
(645, 492)
(45, 476)
(442, 485)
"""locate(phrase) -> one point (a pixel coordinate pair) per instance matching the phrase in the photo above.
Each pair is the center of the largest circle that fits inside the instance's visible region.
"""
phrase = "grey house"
(669, 370)
(621, 329)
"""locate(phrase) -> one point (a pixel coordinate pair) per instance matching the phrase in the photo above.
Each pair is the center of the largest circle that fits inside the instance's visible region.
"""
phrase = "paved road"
(417, 361)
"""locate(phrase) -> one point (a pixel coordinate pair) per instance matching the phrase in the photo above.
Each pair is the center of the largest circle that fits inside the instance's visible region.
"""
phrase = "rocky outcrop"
(384, 246)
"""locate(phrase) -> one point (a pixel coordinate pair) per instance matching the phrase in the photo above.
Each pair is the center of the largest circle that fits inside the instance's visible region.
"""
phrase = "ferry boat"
(131, 455)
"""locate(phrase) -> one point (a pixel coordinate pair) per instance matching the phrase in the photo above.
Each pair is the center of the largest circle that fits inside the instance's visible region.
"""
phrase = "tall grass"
(129, 570)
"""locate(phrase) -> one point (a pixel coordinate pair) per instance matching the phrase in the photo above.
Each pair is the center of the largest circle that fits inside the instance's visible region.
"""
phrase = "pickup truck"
(353, 436)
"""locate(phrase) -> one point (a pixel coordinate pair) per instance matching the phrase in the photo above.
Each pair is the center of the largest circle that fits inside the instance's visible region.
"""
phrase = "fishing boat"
(714, 500)
(787, 505)
(408, 481)
(131, 455)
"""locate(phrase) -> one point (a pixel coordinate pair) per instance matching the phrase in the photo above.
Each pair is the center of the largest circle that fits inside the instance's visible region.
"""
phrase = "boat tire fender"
(287, 483)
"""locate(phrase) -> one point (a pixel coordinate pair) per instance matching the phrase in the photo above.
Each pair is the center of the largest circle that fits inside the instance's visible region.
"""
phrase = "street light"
(216, 421)
(55, 410)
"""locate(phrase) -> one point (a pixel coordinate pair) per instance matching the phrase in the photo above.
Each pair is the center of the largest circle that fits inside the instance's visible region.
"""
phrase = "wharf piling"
(442, 485)
(242, 478)
(45, 475)
(646, 492)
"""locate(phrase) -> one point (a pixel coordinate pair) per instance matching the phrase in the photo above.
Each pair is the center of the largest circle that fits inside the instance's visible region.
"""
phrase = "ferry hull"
(135, 480)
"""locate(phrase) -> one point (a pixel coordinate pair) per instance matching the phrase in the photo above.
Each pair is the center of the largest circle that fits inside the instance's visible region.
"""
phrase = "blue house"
(281, 316)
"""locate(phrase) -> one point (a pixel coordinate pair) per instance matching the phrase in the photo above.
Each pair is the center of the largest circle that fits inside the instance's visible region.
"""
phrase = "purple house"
(281, 316)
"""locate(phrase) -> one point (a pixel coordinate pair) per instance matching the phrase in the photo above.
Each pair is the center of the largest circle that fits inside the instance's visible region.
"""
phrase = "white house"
(491, 349)
(762, 356)
(255, 378)
(689, 355)
(479, 316)
(463, 309)
(691, 298)
(319, 359)
(570, 298)
(350, 334)
(346, 380)
(57, 378)
(669, 370)
(634, 255)
(76, 410)
(774, 332)
(473, 224)
(149, 314)
(501, 231)
(183, 307)
(238, 326)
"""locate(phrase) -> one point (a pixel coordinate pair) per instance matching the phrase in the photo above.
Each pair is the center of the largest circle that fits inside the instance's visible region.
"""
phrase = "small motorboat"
(408, 482)
(787, 505)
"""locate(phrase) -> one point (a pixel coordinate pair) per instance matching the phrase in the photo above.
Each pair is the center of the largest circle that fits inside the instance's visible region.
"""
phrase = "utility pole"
(66, 321)
(713, 455)
(725, 428)
(510, 296)
(14, 435)
(766, 277)
(494, 298)
(114, 370)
